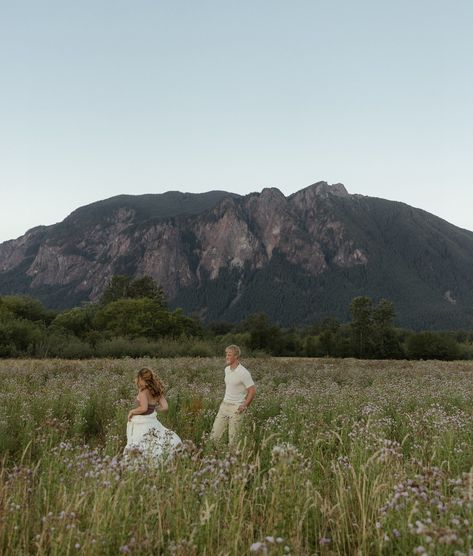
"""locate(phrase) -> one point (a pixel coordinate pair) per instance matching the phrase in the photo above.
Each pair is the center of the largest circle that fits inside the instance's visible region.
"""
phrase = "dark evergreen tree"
(361, 309)
(123, 287)
(147, 287)
(386, 344)
(263, 335)
(328, 337)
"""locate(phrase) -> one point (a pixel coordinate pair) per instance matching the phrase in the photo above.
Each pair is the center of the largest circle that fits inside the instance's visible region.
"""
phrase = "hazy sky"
(105, 97)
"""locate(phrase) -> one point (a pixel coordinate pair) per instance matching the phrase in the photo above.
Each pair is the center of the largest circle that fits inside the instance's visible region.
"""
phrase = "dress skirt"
(147, 436)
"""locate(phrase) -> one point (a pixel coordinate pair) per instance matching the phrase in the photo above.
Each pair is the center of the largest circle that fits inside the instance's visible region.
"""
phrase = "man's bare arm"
(250, 394)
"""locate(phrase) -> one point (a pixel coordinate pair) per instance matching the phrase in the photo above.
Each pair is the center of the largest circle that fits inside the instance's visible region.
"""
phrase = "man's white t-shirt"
(236, 383)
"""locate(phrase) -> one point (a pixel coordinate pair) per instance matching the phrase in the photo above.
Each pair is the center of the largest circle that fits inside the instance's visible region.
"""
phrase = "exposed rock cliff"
(223, 255)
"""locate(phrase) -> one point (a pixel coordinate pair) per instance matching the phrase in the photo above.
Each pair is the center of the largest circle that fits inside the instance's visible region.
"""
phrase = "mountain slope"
(224, 256)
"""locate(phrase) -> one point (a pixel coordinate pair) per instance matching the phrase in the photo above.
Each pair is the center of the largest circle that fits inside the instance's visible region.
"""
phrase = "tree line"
(132, 318)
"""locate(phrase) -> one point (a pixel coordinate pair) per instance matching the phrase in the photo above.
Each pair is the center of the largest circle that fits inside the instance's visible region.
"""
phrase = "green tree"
(386, 344)
(328, 337)
(117, 289)
(144, 317)
(20, 337)
(263, 335)
(182, 325)
(312, 347)
(361, 309)
(28, 308)
(79, 321)
(133, 318)
(123, 287)
(147, 287)
(433, 345)
(220, 328)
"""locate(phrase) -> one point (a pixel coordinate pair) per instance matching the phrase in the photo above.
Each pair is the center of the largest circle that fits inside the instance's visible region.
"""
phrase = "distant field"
(339, 457)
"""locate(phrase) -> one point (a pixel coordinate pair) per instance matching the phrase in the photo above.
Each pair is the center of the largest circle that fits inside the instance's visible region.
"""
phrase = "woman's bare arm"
(162, 404)
(142, 408)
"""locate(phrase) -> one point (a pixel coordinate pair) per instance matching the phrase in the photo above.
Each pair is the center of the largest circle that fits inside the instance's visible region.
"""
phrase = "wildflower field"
(336, 457)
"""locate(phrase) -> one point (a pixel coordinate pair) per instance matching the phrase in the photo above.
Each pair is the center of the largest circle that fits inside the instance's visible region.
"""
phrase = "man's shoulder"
(242, 369)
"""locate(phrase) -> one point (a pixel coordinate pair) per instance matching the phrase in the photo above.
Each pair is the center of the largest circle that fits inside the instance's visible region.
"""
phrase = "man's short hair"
(236, 350)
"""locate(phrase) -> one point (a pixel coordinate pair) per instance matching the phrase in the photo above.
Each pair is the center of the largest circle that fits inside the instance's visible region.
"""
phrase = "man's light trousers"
(227, 416)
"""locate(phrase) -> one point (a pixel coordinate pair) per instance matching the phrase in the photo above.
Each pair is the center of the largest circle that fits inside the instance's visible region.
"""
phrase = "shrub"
(432, 345)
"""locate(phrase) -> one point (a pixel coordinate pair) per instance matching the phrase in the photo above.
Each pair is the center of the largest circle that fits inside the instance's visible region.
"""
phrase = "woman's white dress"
(147, 436)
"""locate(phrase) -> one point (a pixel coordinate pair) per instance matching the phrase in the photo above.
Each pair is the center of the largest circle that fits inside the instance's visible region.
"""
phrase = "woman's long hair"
(152, 382)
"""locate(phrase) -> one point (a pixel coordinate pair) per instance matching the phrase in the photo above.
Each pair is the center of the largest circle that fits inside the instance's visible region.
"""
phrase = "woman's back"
(152, 402)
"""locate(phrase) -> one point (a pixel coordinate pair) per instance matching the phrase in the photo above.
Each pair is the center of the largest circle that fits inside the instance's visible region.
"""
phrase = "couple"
(145, 434)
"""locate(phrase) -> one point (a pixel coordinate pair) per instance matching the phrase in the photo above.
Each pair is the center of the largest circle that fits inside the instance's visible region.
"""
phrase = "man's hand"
(250, 394)
(130, 415)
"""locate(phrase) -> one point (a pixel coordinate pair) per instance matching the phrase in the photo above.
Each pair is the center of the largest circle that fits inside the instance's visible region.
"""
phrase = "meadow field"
(336, 457)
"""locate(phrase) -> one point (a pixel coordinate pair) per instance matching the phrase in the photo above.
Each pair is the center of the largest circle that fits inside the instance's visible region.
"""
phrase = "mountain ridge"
(222, 256)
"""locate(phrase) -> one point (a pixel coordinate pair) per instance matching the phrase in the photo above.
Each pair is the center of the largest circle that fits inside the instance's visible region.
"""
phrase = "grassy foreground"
(338, 457)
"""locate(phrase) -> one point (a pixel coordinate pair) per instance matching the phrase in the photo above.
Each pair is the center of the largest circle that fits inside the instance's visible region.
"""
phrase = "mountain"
(223, 256)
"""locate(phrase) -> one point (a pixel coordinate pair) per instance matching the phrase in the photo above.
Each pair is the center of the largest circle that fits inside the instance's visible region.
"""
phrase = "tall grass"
(336, 457)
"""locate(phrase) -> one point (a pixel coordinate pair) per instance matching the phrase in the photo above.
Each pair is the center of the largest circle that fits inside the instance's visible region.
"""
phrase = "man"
(240, 391)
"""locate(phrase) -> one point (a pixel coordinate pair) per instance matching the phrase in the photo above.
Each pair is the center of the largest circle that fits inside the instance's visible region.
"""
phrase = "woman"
(145, 434)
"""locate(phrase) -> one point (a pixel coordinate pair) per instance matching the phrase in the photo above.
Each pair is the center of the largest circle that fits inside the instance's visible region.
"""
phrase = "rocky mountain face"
(223, 256)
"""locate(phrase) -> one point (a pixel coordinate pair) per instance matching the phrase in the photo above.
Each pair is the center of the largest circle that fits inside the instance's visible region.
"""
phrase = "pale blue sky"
(105, 97)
